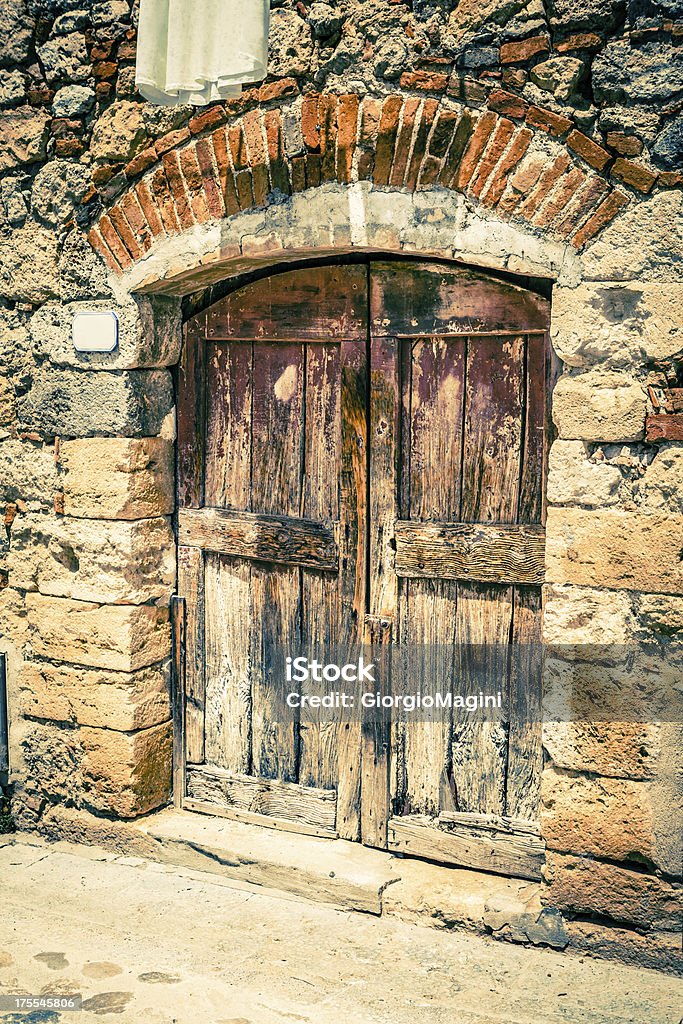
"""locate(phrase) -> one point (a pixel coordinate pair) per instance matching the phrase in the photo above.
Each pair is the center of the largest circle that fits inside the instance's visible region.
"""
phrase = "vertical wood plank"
(531, 485)
(276, 487)
(190, 415)
(525, 744)
(228, 425)
(376, 736)
(177, 698)
(191, 588)
(321, 596)
(352, 562)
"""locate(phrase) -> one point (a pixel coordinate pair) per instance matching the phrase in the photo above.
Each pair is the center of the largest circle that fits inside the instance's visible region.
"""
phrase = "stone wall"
(539, 138)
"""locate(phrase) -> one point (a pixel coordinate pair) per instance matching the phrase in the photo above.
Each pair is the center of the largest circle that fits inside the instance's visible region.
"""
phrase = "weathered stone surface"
(12, 88)
(149, 332)
(102, 699)
(73, 101)
(622, 550)
(617, 324)
(23, 137)
(661, 486)
(13, 203)
(118, 478)
(657, 950)
(669, 146)
(119, 637)
(470, 15)
(624, 750)
(559, 76)
(644, 243)
(119, 132)
(14, 624)
(584, 615)
(82, 274)
(601, 817)
(599, 406)
(572, 15)
(65, 58)
(27, 471)
(653, 73)
(58, 189)
(324, 20)
(28, 264)
(573, 479)
(70, 403)
(16, 30)
(290, 47)
(93, 560)
(126, 773)
(588, 886)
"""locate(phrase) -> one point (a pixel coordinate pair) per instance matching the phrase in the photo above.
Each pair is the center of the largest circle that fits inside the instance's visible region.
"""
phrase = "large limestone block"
(574, 479)
(120, 637)
(119, 132)
(621, 550)
(149, 333)
(23, 137)
(70, 403)
(599, 406)
(28, 264)
(603, 817)
(110, 562)
(14, 622)
(617, 324)
(124, 701)
(27, 471)
(584, 615)
(628, 750)
(661, 486)
(117, 478)
(127, 773)
(587, 886)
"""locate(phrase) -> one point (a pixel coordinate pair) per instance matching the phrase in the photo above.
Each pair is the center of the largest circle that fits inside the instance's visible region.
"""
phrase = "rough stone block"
(149, 333)
(127, 773)
(589, 886)
(621, 550)
(656, 950)
(117, 478)
(661, 486)
(14, 623)
(124, 701)
(624, 750)
(598, 406)
(28, 262)
(643, 243)
(574, 479)
(120, 637)
(70, 403)
(27, 471)
(583, 615)
(617, 324)
(127, 562)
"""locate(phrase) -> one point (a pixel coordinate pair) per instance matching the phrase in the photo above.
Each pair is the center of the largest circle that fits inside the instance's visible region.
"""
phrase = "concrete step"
(333, 871)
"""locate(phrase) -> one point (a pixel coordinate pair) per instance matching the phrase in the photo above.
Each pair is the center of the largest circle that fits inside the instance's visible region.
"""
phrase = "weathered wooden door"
(361, 460)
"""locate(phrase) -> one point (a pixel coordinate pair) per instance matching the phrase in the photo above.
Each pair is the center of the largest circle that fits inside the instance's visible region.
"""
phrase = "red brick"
(485, 126)
(429, 112)
(238, 147)
(581, 41)
(102, 174)
(557, 202)
(241, 104)
(163, 197)
(127, 50)
(279, 176)
(670, 179)
(554, 124)
(69, 146)
(403, 141)
(518, 52)
(256, 146)
(425, 81)
(141, 163)
(347, 123)
(313, 170)
(442, 133)
(211, 118)
(245, 192)
(278, 90)
(593, 154)
(497, 145)
(118, 249)
(136, 219)
(123, 230)
(606, 212)
(212, 189)
(174, 139)
(327, 116)
(507, 103)
(102, 49)
(60, 126)
(298, 169)
(309, 123)
(149, 207)
(633, 174)
(100, 246)
(625, 145)
(219, 141)
(498, 182)
(103, 91)
(386, 139)
(104, 69)
(429, 171)
(176, 183)
(194, 183)
(459, 142)
(547, 181)
(580, 208)
(515, 77)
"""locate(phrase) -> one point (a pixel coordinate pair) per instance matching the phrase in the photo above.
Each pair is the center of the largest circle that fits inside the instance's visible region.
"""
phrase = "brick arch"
(514, 161)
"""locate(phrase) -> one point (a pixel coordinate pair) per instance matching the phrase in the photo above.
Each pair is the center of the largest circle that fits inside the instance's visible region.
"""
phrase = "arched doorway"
(362, 455)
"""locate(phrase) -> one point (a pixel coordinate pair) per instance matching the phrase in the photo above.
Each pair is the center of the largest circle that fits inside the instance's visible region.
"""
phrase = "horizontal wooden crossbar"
(264, 538)
(470, 551)
(247, 798)
(503, 845)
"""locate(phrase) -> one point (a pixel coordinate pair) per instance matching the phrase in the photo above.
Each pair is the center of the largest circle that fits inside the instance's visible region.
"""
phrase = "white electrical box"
(95, 330)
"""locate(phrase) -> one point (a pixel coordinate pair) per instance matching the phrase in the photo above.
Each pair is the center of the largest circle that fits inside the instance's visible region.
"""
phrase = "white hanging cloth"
(200, 51)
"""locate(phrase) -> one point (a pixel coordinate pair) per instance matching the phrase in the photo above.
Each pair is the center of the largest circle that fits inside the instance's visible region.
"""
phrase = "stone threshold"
(351, 877)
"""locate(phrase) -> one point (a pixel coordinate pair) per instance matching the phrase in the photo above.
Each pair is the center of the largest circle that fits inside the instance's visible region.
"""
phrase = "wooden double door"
(361, 461)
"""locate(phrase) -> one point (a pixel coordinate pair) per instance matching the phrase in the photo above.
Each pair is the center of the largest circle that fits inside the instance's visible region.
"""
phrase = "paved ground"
(149, 944)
